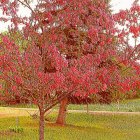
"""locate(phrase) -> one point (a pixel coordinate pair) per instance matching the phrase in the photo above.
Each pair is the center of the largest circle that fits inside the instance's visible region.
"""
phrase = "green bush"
(16, 129)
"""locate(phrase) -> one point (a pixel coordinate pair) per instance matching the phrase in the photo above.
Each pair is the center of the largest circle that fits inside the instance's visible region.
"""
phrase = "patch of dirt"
(7, 115)
(113, 113)
(6, 133)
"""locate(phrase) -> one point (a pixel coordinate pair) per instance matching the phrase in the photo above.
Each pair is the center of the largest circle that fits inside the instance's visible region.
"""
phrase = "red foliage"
(68, 55)
(73, 48)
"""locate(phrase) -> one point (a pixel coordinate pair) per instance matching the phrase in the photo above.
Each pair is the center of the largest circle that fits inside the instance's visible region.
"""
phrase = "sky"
(115, 4)
(120, 4)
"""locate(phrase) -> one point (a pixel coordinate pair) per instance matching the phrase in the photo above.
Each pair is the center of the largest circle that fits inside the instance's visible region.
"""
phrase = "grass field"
(124, 106)
(79, 127)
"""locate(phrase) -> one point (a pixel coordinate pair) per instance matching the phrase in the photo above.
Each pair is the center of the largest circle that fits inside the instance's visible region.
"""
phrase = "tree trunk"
(87, 109)
(41, 125)
(61, 119)
(118, 104)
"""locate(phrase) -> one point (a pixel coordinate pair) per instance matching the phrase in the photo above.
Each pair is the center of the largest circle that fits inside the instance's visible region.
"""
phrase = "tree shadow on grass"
(75, 127)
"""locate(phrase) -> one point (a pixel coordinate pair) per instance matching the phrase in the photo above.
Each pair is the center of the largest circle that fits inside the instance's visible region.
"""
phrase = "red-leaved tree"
(72, 49)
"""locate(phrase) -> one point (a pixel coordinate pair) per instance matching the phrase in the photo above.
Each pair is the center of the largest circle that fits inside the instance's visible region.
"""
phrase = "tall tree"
(71, 49)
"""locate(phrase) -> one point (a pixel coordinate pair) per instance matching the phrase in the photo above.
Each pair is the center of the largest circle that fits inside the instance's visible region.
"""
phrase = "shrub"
(16, 129)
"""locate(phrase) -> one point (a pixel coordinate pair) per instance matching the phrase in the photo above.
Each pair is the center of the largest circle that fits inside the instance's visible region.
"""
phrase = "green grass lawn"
(125, 106)
(79, 127)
